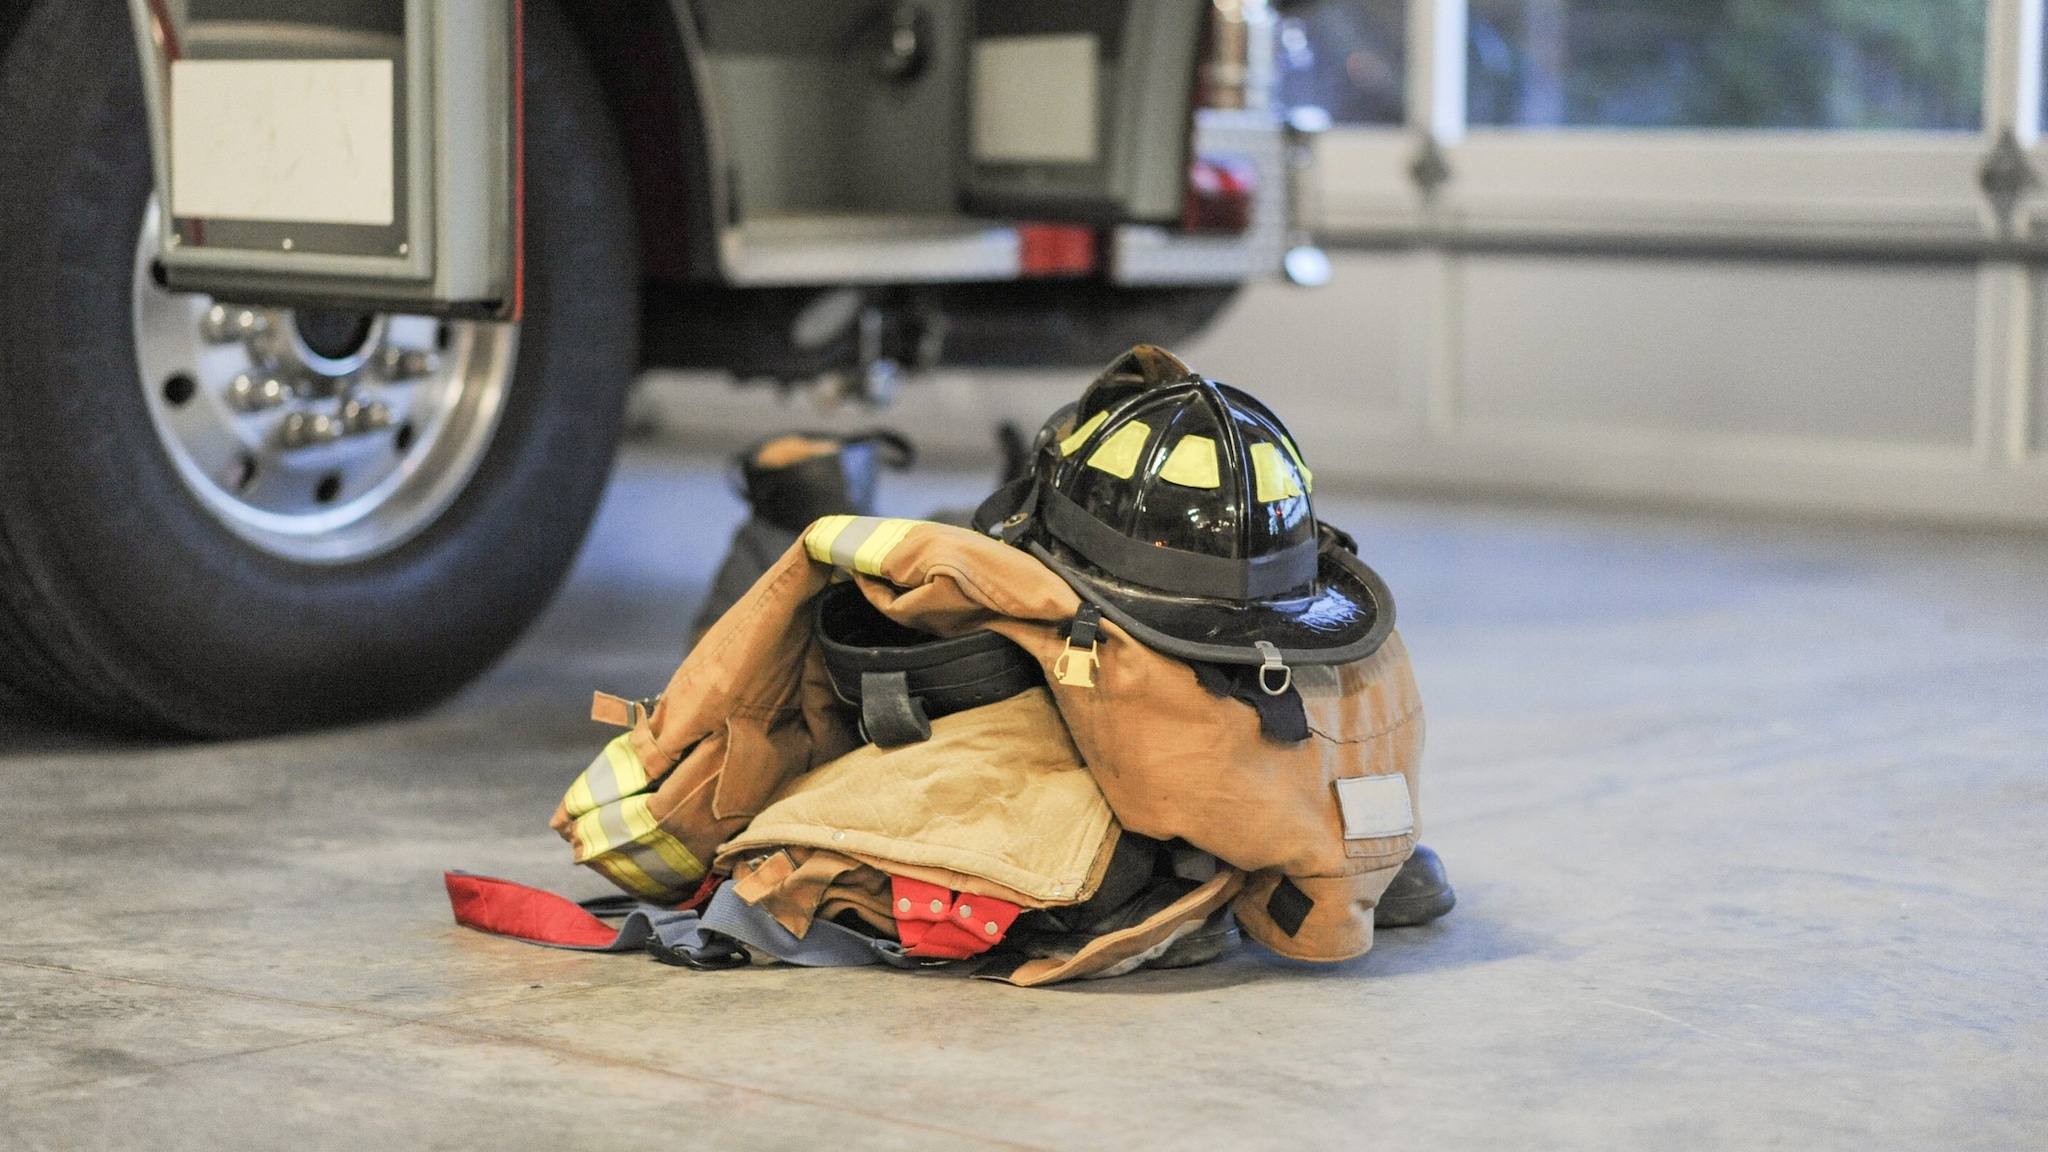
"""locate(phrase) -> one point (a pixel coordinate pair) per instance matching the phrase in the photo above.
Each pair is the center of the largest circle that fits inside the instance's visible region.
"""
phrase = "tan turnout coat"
(750, 712)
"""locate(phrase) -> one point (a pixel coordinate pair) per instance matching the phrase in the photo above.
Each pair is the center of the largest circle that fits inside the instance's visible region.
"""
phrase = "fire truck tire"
(127, 601)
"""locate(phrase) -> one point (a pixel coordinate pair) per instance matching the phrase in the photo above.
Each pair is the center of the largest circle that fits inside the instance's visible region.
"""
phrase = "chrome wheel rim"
(316, 436)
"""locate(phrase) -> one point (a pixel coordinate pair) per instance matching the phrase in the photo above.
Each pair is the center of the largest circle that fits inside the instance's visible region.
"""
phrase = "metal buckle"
(1271, 652)
(603, 705)
(717, 955)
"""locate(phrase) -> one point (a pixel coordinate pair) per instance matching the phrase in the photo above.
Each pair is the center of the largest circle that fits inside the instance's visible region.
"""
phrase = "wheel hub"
(318, 435)
(333, 337)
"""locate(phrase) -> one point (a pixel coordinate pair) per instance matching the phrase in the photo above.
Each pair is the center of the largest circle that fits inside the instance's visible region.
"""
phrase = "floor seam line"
(175, 1065)
(317, 1005)
(570, 1050)
(205, 989)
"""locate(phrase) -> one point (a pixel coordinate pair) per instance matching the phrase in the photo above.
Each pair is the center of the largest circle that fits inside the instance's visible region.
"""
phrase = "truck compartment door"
(329, 152)
(1080, 110)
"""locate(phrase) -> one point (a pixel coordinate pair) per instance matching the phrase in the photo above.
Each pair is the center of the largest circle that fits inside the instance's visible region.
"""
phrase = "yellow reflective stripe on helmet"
(615, 774)
(1079, 436)
(1192, 464)
(1273, 474)
(818, 541)
(1308, 478)
(858, 543)
(1119, 454)
(625, 842)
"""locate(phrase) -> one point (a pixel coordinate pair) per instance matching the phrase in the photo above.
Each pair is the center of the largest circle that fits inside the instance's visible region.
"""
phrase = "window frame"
(1848, 192)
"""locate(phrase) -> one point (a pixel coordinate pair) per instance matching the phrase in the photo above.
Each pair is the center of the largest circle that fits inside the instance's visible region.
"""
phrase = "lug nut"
(224, 325)
(357, 416)
(407, 363)
(251, 394)
(303, 429)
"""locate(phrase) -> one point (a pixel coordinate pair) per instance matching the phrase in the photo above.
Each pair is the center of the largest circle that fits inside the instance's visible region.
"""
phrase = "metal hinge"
(1430, 169)
(2006, 177)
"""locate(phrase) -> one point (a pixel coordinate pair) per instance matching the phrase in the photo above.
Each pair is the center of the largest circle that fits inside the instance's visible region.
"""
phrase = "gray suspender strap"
(826, 945)
(890, 716)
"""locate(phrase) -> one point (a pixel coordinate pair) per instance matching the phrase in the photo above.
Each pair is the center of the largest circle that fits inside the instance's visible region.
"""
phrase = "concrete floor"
(1749, 823)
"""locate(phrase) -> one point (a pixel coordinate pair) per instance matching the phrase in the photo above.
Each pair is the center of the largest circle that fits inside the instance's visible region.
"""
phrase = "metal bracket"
(1305, 263)
(1430, 169)
(2006, 177)
(1269, 652)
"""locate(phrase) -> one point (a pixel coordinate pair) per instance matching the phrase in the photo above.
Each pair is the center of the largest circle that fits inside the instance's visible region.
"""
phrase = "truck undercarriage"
(317, 317)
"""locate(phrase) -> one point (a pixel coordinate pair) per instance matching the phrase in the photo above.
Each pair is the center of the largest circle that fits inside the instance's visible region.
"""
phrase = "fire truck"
(318, 317)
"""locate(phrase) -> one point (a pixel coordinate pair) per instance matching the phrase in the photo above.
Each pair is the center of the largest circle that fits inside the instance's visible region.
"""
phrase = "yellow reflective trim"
(646, 830)
(628, 875)
(868, 558)
(1192, 464)
(615, 773)
(818, 540)
(588, 836)
(1273, 474)
(848, 542)
(577, 800)
(628, 773)
(625, 766)
(1308, 478)
(1119, 454)
(634, 831)
(1073, 442)
(598, 832)
(859, 543)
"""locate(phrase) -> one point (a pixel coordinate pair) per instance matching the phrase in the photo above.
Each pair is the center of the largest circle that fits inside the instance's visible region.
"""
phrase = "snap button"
(991, 928)
(839, 836)
(966, 913)
(938, 905)
(903, 905)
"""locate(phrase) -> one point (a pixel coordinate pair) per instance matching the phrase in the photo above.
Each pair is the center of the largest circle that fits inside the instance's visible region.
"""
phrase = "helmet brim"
(1346, 617)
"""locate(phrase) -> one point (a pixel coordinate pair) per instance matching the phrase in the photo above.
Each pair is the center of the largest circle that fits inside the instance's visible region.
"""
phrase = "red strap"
(702, 895)
(943, 925)
(488, 904)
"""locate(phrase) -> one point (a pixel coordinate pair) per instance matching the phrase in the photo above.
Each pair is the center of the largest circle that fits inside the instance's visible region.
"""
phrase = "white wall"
(1835, 387)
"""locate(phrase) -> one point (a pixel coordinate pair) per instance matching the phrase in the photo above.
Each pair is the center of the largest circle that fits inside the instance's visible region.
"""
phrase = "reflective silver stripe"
(847, 545)
(603, 775)
(602, 780)
(613, 822)
(657, 869)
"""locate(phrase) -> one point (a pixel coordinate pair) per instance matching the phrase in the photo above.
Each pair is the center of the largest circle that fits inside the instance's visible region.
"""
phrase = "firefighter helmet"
(1181, 507)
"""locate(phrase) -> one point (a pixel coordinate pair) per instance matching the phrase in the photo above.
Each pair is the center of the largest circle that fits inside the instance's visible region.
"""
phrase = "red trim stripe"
(518, 160)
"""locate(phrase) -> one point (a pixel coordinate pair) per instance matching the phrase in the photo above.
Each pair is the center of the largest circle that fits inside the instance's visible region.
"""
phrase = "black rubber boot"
(1421, 892)
(789, 481)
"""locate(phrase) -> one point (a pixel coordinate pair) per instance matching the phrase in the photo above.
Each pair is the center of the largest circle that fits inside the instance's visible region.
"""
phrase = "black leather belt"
(901, 678)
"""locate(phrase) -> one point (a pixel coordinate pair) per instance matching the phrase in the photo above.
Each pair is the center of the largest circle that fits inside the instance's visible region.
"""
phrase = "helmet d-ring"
(1271, 652)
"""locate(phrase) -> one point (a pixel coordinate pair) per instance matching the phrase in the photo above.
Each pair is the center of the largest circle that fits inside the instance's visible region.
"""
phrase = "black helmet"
(1180, 507)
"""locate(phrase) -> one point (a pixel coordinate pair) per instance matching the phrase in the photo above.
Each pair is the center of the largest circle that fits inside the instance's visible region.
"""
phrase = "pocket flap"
(761, 752)
(1375, 806)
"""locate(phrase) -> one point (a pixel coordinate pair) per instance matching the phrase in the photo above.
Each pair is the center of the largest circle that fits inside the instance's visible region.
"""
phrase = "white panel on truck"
(286, 140)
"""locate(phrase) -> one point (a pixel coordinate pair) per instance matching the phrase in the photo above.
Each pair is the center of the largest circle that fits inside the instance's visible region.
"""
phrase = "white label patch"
(1375, 806)
(286, 140)
(1034, 100)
